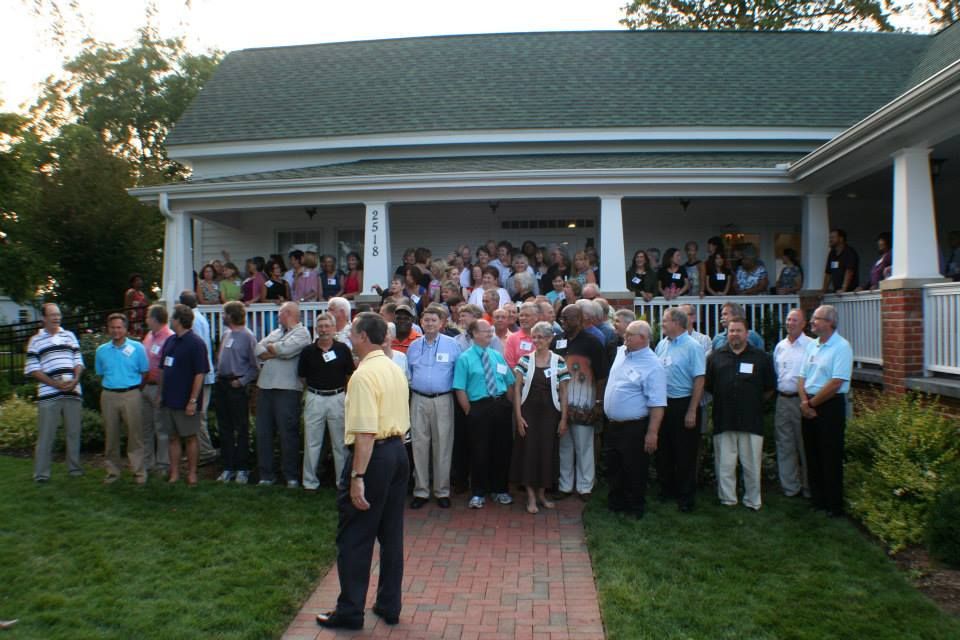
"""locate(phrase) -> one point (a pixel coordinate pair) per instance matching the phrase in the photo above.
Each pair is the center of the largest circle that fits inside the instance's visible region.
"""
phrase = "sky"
(29, 54)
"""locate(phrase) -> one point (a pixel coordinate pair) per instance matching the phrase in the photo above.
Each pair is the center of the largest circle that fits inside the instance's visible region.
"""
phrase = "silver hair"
(626, 314)
(542, 329)
(678, 315)
(643, 327)
(530, 305)
(339, 303)
(591, 309)
(523, 281)
(830, 315)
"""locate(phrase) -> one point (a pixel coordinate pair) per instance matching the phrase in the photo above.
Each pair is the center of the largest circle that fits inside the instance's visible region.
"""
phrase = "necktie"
(488, 373)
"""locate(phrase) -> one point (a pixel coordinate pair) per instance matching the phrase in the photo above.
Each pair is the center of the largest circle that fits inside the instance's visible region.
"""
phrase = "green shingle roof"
(551, 80)
(943, 50)
(418, 166)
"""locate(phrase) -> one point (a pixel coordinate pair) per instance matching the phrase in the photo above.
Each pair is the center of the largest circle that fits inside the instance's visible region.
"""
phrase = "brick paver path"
(497, 572)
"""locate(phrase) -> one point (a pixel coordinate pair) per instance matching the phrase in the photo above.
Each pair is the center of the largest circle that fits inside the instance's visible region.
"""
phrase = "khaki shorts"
(176, 422)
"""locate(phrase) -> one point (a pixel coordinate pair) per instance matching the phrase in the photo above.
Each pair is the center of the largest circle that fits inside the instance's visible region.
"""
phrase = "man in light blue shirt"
(123, 365)
(484, 388)
(734, 310)
(634, 402)
(201, 327)
(685, 363)
(823, 385)
(431, 361)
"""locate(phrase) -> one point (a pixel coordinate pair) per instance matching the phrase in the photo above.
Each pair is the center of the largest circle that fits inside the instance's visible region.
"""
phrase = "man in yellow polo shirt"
(376, 472)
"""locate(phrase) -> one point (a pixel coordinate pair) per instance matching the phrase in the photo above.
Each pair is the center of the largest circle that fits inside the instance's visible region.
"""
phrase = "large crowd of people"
(507, 390)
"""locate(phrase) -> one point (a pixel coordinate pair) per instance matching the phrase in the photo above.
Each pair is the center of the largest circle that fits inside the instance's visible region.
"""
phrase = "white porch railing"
(261, 317)
(860, 324)
(941, 330)
(765, 314)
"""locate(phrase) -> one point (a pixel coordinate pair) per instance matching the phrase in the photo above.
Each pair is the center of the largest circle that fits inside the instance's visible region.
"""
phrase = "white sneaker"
(243, 477)
(476, 502)
(504, 498)
(226, 476)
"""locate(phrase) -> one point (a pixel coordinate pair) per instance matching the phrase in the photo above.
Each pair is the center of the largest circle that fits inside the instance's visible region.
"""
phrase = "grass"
(784, 572)
(82, 560)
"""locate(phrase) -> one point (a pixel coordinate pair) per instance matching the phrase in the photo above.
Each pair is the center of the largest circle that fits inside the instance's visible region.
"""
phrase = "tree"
(757, 15)
(129, 96)
(943, 13)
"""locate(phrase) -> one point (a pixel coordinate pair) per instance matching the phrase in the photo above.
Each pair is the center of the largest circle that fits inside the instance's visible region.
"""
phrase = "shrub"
(18, 427)
(89, 380)
(899, 452)
(943, 536)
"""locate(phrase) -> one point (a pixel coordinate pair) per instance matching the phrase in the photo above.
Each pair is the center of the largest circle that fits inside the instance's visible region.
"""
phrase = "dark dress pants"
(278, 411)
(627, 464)
(677, 453)
(491, 445)
(823, 438)
(460, 467)
(233, 422)
(385, 486)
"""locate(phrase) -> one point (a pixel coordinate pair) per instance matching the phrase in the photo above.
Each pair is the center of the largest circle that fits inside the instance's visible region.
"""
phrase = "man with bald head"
(278, 405)
(587, 364)
(788, 358)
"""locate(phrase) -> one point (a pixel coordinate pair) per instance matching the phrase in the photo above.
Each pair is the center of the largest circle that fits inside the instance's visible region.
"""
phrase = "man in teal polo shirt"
(484, 388)
(123, 365)
(823, 385)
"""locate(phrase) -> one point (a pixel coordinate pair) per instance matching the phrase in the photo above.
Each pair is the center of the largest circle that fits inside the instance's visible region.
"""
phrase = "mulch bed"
(936, 581)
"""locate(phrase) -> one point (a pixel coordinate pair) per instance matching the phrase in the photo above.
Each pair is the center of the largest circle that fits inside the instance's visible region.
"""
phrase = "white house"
(624, 139)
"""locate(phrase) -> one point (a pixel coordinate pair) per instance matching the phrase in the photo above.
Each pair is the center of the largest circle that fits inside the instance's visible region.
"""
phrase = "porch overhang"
(924, 115)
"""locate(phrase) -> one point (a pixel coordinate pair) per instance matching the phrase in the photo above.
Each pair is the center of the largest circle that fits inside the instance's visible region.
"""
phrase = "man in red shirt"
(156, 452)
(406, 332)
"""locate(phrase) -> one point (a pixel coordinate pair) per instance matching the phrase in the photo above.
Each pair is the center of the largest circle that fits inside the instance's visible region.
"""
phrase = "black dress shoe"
(389, 619)
(333, 620)
(418, 502)
(685, 507)
(443, 503)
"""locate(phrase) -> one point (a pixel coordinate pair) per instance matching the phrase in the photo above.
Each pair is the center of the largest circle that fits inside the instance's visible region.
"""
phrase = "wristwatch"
(354, 474)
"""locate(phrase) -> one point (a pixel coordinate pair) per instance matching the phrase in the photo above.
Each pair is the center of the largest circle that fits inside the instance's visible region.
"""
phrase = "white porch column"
(815, 236)
(914, 223)
(177, 257)
(612, 260)
(377, 267)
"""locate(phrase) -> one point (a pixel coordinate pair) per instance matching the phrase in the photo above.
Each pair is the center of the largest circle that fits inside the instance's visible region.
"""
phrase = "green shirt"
(230, 290)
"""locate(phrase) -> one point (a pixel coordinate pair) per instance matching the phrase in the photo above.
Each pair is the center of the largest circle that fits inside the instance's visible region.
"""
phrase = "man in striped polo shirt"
(54, 360)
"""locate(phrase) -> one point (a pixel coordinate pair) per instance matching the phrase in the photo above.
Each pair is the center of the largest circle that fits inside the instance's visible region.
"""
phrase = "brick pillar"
(810, 299)
(902, 322)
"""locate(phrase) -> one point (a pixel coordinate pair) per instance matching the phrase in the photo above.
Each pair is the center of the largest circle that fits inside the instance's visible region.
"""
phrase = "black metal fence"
(14, 339)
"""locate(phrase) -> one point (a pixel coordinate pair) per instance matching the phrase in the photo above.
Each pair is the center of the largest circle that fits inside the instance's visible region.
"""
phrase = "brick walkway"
(494, 573)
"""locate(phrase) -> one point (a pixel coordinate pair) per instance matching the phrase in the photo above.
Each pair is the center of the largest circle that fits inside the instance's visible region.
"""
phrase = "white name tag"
(168, 361)
(443, 357)
(746, 367)
(632, 375)
(329, 356)
(216, 287)
(502, 369)
(128, 350)
(676, 276)
(331, 281)
(562, 343)
(835, 264)
(155, 349)
(228, 343)
(525, 345)
(548, 373)
(66, 377)
(269, 283)
(635, 280)
(721, 277)
(415, 299)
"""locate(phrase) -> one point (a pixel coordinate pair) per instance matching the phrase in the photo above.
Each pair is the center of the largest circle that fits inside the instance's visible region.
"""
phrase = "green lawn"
(82, 560)
(784, 572)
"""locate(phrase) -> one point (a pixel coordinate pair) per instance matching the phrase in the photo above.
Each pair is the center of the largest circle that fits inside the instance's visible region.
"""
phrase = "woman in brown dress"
(540, 416)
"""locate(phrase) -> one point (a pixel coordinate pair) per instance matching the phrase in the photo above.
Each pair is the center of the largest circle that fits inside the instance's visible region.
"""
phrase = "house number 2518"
(374, 228)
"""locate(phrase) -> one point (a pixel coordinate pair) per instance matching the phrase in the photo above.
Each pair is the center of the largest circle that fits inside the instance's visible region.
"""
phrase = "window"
(308, 240)
(348, 240)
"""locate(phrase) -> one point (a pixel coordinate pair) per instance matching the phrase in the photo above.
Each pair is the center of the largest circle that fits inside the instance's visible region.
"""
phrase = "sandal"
(532, 509)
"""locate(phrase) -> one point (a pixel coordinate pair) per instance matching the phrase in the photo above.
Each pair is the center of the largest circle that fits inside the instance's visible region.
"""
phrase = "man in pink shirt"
(520, 343)
(306, 282)
(156, 454)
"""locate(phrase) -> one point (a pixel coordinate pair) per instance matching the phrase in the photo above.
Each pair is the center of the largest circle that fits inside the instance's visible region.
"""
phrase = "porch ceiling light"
(311, 211)
(685, 204)
(572, 225)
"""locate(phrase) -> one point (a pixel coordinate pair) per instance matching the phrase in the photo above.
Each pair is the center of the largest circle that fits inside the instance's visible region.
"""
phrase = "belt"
(615, 423)
(787, 395)
(489, 398)
(379, 442)
(151, 382)
(228, 378)
(431, 395)
(326, 392)
(133, 388)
